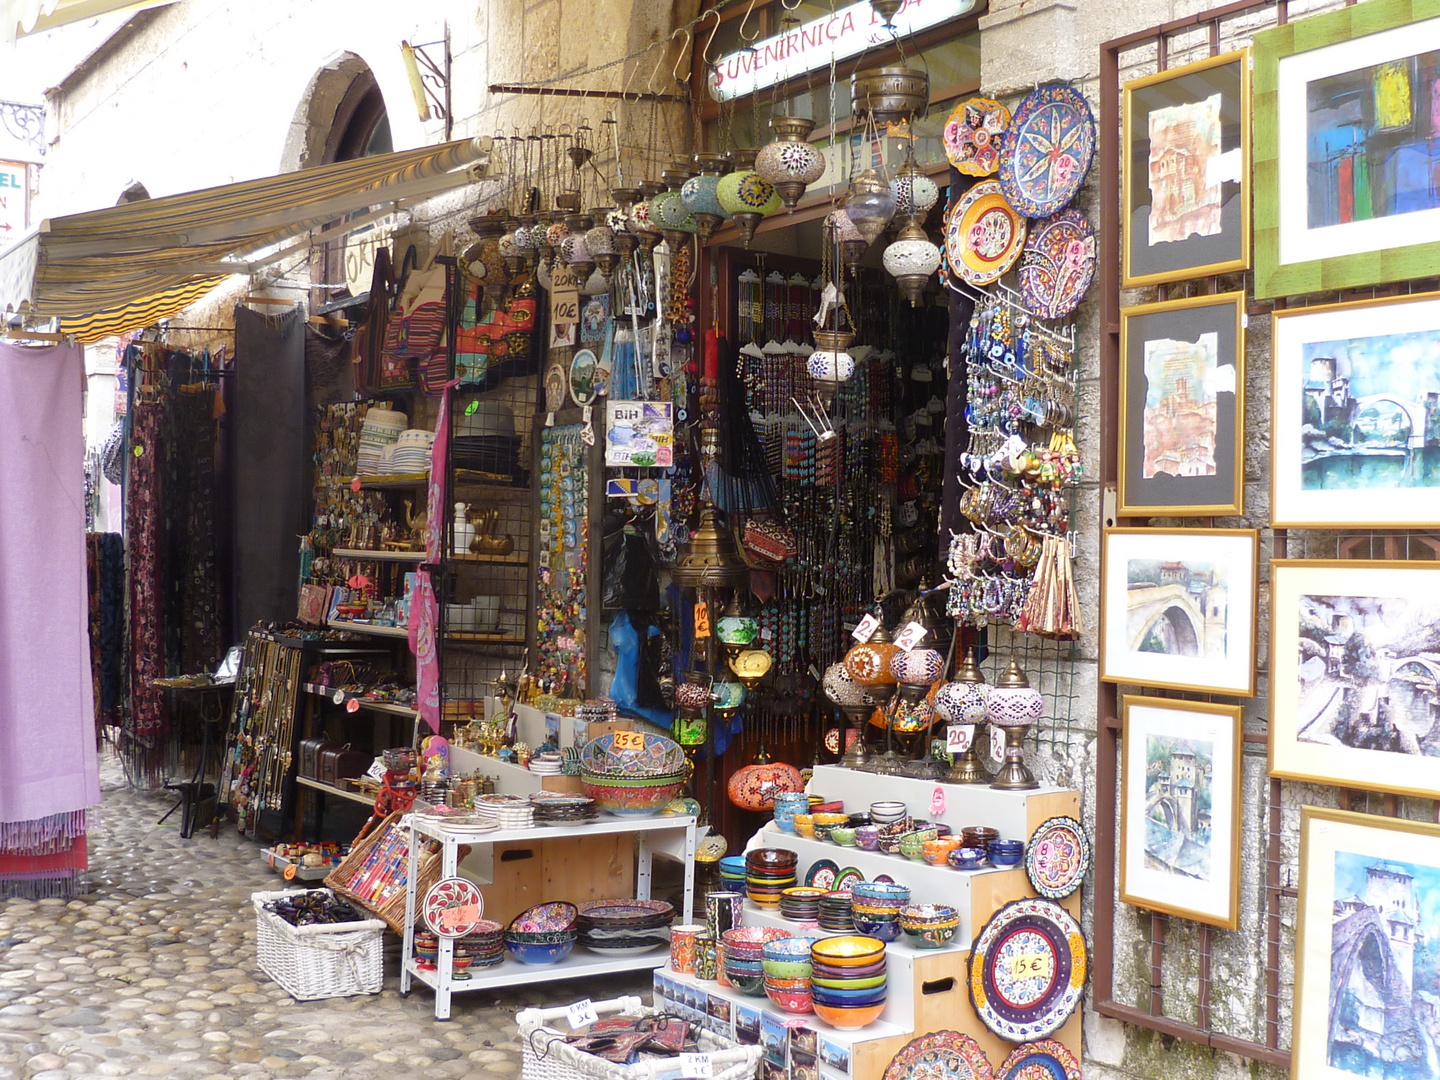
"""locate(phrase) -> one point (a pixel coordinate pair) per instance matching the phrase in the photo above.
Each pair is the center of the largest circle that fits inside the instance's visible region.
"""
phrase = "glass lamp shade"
(640, 219)
(573, 249)
(539, 234)
(869, 664)
(788, 161)
(842, 228)
(737, 629)
(700, 195)
(905, 257)
(595, 284)
(1014, 706)
(692, 695)
(618, 220)
(525, 238)
(916, 666)
(752, 665)
(509, 249)
(840, 686)
(913, 716)
(870, 205)
(601, 240)
(556, 233)
(728, 696)
(915, 193)
(745, 191)
(669, 212)
(755, 786)
(830, 366)
(962, 702)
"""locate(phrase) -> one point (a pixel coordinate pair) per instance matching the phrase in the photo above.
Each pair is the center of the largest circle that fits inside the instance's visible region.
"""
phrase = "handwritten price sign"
(629, 740)
(958, 738)
(1032, 966)
(564, 296)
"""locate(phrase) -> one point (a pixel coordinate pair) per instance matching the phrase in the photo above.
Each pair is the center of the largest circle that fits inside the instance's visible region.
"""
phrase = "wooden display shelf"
(388, 481)
(471, 637)
(328, 693)
(505, 560)
(331, 789)
(378, 556)
(367, 628)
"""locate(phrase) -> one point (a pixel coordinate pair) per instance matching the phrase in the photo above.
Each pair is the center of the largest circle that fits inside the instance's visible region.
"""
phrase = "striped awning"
(126, 266)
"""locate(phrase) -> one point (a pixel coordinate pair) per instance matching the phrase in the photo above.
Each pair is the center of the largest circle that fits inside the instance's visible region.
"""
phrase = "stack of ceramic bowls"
(887, 812)
(768, 873)
(847, 979)
(485, 945)
(744, 953)
(911, 843)
(1006, 853)
(979, 836)
(929, 926)
(875, 908)
(891, 834)
(624, 927)
(787, 805)
(543, 934)
(732, 873)
(835, 912)
(629, 780)
(824, 822)
(786, 964)
(505, 811)
(411, 452)
(801, 903)
(378, 434)
(562, 807)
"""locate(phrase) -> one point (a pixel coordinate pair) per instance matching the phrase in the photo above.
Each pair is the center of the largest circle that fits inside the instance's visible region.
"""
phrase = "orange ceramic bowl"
(855, 950)
(937, 851)
(849, 1019)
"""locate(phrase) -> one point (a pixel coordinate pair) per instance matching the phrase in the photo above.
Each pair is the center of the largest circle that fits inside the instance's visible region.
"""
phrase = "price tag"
(581, 1014)
(355, 485)
(353, 705)
(909, 637)
(997, 744)
(958, 738)
(338, 697)
(702, 620)
(1032, 966)
(564, 296)
(696, 1065)
(865, 628)
(628, 740)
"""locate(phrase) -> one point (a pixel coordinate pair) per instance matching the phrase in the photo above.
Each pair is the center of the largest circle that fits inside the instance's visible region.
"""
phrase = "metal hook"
(680, 56)
(743, 21)
(705, 52)
(650, 82)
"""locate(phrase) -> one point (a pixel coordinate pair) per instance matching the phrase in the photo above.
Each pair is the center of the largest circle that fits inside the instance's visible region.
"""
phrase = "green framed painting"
(1346, 148)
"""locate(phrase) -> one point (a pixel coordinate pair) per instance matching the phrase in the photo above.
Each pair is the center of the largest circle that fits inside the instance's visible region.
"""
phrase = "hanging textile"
(106, 571)
(192, 508)
(149, 718)
(48, 769)
(424, 610)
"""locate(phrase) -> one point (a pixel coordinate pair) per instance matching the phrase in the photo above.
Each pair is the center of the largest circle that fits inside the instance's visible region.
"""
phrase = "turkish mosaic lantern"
(870, 204)
(788, 161)
(963, 701)
(1014, 707)
(916, 671)
(746, 196)
(701, 194)
(600, 242)
(577, 256)
(843, 232)
(911, 259)
(915, 193)
(755, 786)
(855, 702)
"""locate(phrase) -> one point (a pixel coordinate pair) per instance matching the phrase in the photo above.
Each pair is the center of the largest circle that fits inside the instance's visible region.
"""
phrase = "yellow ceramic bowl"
(805, 826)
(830, 819)
(854, 950)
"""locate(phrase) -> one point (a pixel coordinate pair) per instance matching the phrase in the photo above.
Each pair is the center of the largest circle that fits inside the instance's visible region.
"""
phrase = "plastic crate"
(313, 962)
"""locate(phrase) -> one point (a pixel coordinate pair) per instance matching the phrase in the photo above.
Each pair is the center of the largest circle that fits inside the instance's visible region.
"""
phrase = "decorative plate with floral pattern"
(1027, 969)
(940, 1055)
(1047, 151)
(453, 907)
(1044, 1059)
(984, 235)
(973, 136)
(1057, 857)
(1058, 264)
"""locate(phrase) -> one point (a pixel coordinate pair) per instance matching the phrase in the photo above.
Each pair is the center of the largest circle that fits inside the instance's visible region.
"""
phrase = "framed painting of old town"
(1180, 808)
(1186, 171)
(1368, 946)
(1345, 130)
(1354, 670)
(1355, 414)
(1177, 609)
(1182, 412)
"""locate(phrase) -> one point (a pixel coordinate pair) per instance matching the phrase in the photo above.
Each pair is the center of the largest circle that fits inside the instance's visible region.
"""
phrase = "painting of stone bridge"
(1370, 673)
(1176, 608)
(1178, 775)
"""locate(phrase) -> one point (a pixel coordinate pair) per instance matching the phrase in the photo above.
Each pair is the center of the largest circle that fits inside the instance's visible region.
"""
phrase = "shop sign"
(360, 248)
(14, 201)
(640, 433)
(845, 33)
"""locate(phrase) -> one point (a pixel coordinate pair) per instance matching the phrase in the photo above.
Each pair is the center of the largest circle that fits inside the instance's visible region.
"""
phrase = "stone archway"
(342, 98)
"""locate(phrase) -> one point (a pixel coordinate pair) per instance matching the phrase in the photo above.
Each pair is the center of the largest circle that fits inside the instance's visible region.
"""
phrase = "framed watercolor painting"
(1354, 670)
(1180, 808)
(1177, 609)
(1345, 128)
(1367, 947)
(1186, 171)
(1355, 414)
(1182, 412)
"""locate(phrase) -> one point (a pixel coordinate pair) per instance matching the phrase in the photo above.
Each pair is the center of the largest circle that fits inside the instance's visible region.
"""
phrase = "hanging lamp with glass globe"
(746, 196)
(788, 161)
(911, 259)
(700, 194)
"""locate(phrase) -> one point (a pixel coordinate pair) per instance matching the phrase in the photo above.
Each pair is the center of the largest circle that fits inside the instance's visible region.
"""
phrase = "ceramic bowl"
(786, 969)
(551, 917)
(528, 953)
(967, 858)
(843, 835)
(630, 801)
(882, 892)
(827, 806)
(929, 937)
(789, 948)
(751, 939)
(771, 859)
(658, 756)
(850, 998)
(852, 950)
(754, 985)
(938, 850)
(792, 1001)
(868, 982)
(887, 809)
(862, 818)
(804, 825)
(886, 929)
(978, 835)
(1006, 852)
(867, 837)
(911, 841)
(843, 976)
(848, 1019)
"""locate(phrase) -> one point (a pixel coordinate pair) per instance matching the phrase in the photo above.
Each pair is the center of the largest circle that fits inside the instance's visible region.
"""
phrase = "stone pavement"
(152, 974)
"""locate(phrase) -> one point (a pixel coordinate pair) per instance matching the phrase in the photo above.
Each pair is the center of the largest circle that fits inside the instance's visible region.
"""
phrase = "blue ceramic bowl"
(1006, 852)
(733, 864)
(754, 985)
(849, 999)
(967, 858)
(790, 948)
(883, 891)
(539, 954)
(884, 929)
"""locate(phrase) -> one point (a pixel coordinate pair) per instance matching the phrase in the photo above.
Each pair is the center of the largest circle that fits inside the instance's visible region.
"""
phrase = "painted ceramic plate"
(1027, 969)
(1057, 857)
(453, 907)
(1044, 1059)
(557, 915)
(984, 236)
(1058, 264)
(940, 1055)
(973, 136)
(846, 879)
(1047, 151)
(822, 874)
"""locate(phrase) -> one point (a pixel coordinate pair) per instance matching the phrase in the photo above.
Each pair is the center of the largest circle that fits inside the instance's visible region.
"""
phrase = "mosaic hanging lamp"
(747, 197)
(621, 222)
(843, 232)
(600, 241)
(911, 259)
(788, 161)
(645, 226)
(700, 194)
(1014, 707)
(669, 212)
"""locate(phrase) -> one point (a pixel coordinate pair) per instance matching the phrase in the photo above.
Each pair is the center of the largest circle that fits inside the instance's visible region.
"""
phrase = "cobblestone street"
(153, 973)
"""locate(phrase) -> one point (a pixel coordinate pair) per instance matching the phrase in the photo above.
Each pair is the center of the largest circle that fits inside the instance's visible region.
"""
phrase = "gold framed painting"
(1185, 171)
(1367, 946)
(1180, 808)
(1182, 407)
(1355, 414)
(1354, 672)
(1177, 609)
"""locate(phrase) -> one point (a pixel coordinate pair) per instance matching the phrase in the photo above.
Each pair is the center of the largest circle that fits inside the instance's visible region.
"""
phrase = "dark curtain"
(269, 452)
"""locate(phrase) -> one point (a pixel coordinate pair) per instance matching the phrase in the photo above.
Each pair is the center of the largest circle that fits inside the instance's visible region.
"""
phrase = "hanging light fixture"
(648, 230)
(622, 224)
(712, 558)
(600, 240)
(911, 259)
(700, 194)
(668, 212)
(747, 197)
(915, 193)
(843, 232)
(870, 204)
(788, 161)
(577, 257)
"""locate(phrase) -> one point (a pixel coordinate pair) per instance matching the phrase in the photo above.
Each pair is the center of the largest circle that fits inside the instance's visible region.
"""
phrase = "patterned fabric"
(149, 718)
(424, 611)
(106, 565)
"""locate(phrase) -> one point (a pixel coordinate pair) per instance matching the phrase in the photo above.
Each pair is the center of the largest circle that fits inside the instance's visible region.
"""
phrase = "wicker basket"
(312, 962)
(393, 909)
(546, 1056)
